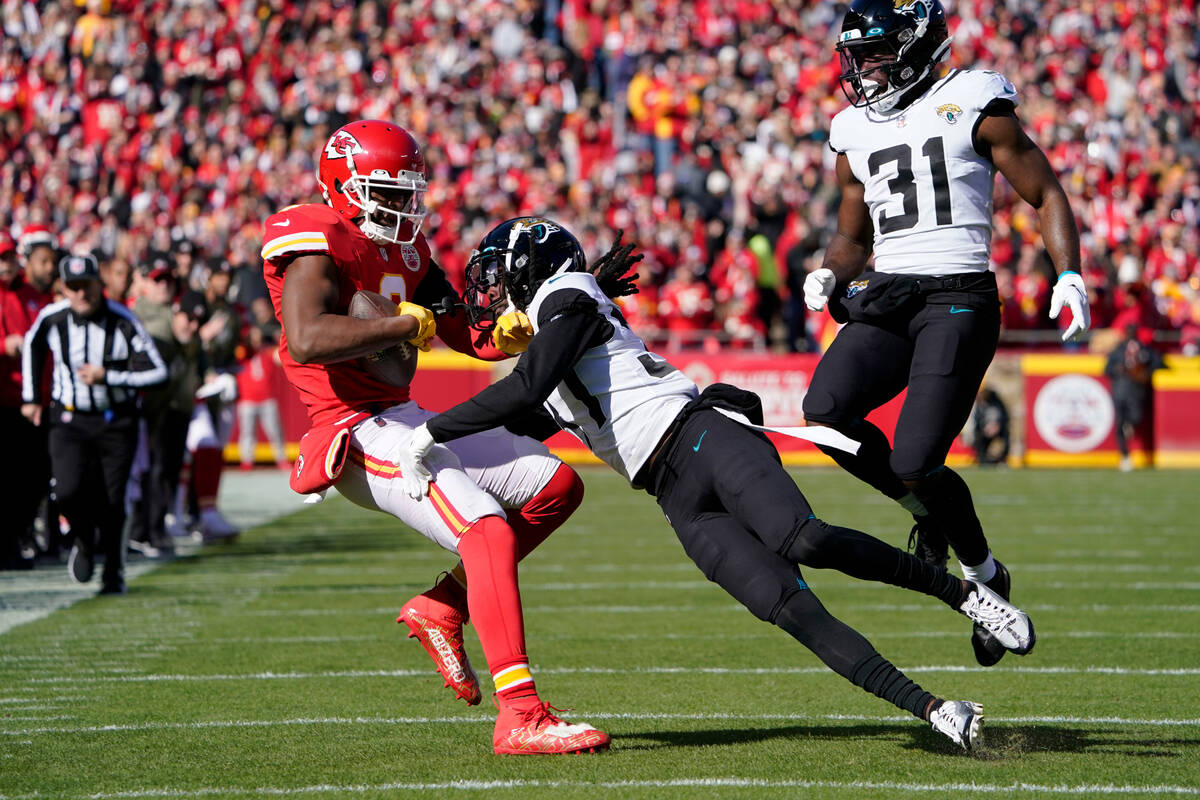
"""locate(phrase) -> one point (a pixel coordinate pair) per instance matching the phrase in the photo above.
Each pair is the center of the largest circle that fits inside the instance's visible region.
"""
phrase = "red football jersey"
(333, 391)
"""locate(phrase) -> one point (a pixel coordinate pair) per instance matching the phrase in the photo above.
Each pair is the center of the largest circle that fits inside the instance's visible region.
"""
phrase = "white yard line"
(852, 787)
(630, 671)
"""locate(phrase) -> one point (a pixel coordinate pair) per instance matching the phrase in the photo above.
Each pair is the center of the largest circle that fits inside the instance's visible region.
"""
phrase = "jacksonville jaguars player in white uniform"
(738, 514)
(916, 157)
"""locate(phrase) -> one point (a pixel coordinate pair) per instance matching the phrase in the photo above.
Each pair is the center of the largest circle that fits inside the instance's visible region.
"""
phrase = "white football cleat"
(961, 721)
(1009, 625)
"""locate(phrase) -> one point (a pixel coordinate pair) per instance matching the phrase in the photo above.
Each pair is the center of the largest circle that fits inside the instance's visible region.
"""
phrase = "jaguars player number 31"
(917, 152)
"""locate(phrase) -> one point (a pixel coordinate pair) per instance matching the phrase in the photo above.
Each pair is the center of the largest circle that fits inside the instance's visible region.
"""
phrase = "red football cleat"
(439, 629)
(537, 731)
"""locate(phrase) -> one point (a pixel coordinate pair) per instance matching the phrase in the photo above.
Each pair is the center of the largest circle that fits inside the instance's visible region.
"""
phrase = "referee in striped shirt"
(100, 356)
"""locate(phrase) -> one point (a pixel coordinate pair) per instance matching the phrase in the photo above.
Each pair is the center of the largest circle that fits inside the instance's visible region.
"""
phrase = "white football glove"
(818, 287)
(1071, 292)
(413, 472)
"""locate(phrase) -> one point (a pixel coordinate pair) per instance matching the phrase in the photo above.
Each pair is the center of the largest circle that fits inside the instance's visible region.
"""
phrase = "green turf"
(273, 667)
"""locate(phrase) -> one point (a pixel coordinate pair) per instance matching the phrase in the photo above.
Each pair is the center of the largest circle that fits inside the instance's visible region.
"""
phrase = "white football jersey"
(621, 398)
(928, 191)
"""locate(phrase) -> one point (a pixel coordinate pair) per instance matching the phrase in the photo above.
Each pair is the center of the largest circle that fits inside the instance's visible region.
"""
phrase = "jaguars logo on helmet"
(889, 46)
(512, 261)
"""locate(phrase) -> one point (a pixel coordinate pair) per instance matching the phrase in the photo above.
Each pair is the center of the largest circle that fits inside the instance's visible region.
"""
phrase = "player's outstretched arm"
(1026, 167)
(549, 359)
(316, 334)
(847, 252)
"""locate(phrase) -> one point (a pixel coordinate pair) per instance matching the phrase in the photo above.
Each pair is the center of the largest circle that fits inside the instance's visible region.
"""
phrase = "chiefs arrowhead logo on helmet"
(342, 144)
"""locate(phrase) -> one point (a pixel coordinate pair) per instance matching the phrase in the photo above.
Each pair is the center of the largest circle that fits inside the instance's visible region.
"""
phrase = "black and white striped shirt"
(113, 339)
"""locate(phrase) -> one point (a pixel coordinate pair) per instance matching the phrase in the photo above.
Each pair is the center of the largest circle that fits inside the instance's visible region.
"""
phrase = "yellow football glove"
(426, 324)
(512, 333)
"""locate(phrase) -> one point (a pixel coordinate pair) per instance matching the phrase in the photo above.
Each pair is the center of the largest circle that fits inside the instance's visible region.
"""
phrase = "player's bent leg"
(538, 491)
(849, 654)
(951, 354)
(739, 470)
(435, 618)
(951, 514)
(525, 724)
(864, 368)
(771, 587)
(547, 510)
(821, 545)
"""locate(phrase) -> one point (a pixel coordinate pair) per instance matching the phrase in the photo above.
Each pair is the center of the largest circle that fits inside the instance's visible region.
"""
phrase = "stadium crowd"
(166, 131)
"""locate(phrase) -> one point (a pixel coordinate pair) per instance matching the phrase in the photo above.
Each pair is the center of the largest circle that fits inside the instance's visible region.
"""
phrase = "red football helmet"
(374, 170)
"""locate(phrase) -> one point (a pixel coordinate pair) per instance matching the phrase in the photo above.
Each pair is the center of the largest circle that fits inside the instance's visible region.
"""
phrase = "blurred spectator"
(118, 277)
(1130, 371)
(166, 411)
(213, 413)
(262, 319)
(1134, 303)
(686, 307)
(221, 333)
(34, 285)
(989, 428)
(37, 252)
(796, 247)
(18, 493)
(256, 403)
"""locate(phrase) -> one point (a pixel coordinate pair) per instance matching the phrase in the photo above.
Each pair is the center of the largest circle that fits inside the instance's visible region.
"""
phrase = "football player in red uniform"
(497, 495)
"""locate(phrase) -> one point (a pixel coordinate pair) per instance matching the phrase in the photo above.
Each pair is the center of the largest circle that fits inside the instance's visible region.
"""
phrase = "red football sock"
(206, 476)
(489, 553)
(547, 510)
(532, 523)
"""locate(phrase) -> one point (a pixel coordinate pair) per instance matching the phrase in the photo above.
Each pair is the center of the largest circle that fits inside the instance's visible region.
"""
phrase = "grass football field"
(273, 667)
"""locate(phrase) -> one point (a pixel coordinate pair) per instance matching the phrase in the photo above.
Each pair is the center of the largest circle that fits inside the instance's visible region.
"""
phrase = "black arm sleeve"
(435, 292)
(572, 329)
(536, 424)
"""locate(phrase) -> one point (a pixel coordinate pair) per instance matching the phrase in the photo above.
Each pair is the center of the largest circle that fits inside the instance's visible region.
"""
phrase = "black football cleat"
(928, 544)
(80, 564)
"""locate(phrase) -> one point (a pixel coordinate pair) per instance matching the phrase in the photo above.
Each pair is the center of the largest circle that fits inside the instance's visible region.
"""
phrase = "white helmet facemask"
(381, 221)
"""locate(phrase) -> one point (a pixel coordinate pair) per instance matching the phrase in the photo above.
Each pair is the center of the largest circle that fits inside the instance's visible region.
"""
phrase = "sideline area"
(247, 499)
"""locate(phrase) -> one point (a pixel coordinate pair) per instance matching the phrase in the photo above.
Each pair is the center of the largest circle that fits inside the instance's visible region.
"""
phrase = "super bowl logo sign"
(1073, 413)
(949, 112)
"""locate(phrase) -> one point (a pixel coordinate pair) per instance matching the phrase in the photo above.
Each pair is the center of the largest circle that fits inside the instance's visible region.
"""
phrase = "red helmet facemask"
(373, 171)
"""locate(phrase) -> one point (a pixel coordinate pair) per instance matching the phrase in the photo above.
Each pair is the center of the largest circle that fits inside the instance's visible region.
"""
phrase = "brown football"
(395, 365)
